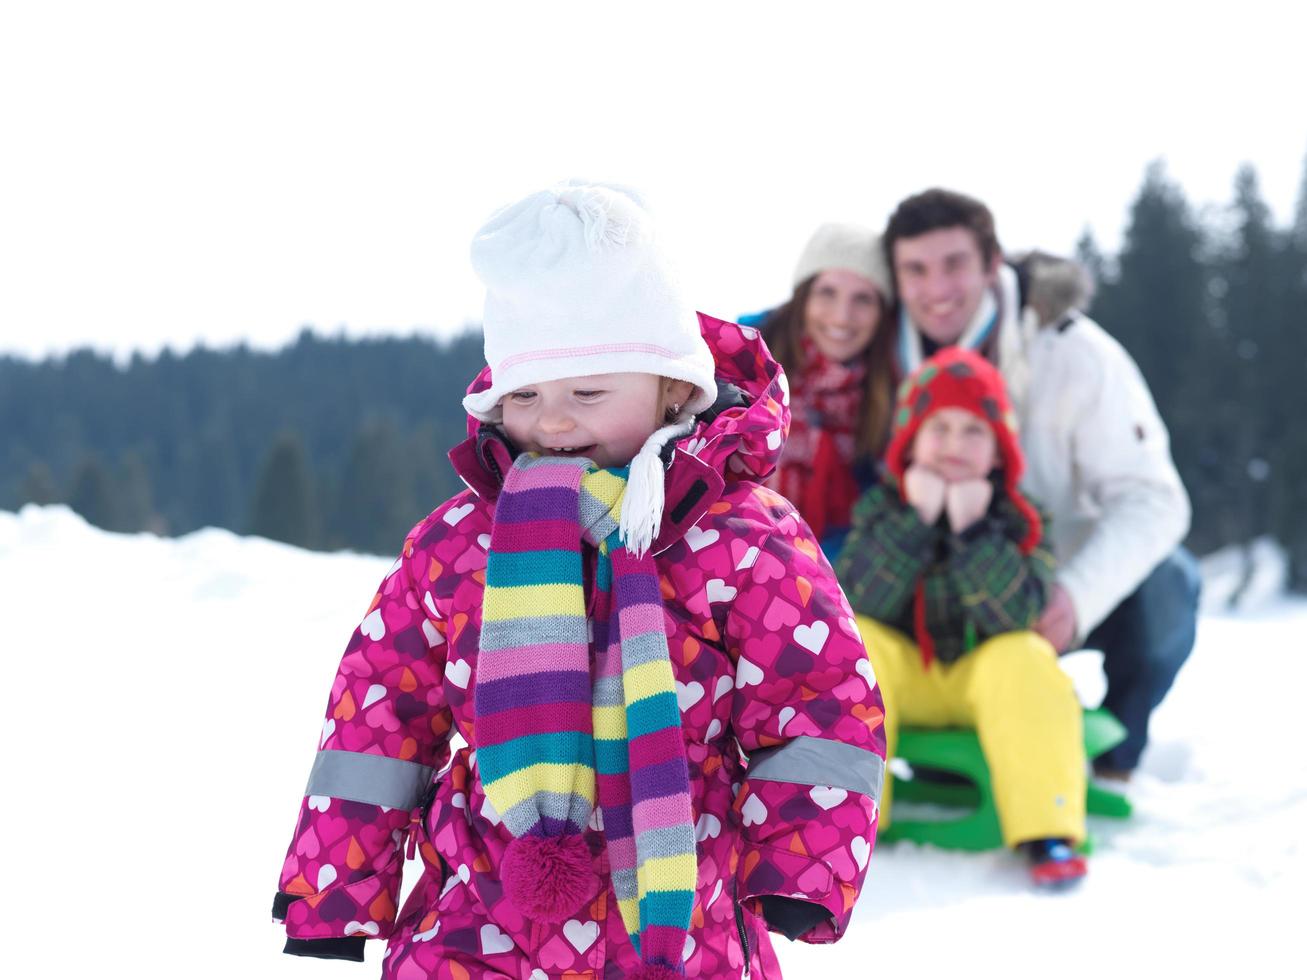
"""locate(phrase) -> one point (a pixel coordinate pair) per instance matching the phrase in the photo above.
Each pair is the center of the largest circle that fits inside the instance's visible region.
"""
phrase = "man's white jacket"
(1098, 456)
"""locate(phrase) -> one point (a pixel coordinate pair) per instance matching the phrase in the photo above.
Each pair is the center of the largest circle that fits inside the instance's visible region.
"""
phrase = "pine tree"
(38, 486)
(135, 497)
(1157, 304)
(1243, 408)
(283, 508)
(1089, 255)
(94, 494)
(1288, 516)
(376, 506)
(433, 477)
(1158, 299)
(215, 473)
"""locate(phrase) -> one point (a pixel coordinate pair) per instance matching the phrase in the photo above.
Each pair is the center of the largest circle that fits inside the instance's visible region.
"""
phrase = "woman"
(834, 339)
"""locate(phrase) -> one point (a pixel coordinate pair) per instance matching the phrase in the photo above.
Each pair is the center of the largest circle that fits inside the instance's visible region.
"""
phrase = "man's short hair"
(935, 209)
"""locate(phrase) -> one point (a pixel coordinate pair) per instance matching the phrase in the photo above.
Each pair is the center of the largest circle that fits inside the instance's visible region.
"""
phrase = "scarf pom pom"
(655, 971)
(549, 878)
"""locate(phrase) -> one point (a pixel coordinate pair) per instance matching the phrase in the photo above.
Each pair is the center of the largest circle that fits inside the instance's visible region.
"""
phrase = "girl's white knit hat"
(575, 286)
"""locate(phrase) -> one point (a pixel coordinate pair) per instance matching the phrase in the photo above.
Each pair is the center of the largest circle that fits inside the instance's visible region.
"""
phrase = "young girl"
(948, 562)
(609, 615)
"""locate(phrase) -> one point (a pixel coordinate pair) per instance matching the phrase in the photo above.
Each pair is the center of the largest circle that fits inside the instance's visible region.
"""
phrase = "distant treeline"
(327, 443)
(332, 443)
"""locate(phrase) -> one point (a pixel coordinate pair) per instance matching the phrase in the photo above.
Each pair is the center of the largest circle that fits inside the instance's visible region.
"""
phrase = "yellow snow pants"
(1023, 708)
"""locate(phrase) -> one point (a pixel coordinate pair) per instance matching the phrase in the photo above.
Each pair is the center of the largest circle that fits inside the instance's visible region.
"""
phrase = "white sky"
(171, 172)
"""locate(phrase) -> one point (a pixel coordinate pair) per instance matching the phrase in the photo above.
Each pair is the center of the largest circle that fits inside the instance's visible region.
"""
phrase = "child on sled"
(947, 568)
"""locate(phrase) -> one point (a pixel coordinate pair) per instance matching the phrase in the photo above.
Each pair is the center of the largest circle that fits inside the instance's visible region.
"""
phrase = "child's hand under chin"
(931, 494)
(926, 491)
(966, 502)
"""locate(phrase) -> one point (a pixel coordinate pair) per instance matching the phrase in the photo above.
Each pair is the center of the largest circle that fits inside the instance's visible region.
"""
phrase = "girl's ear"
(675, 394)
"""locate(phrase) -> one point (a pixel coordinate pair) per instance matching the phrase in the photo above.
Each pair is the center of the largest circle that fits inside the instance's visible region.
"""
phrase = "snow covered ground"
(163, 713)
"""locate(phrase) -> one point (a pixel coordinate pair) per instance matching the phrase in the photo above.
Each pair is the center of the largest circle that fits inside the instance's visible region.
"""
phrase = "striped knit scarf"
(549, 741)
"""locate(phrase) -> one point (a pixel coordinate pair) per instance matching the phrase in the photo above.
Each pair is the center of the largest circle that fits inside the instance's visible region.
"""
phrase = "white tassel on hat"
(642, 504)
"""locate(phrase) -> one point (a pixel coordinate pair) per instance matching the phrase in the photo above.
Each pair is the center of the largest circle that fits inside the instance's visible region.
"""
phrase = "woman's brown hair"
(783, 329)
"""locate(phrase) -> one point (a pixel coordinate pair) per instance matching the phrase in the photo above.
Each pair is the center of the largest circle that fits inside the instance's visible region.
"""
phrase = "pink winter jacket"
(768, 664)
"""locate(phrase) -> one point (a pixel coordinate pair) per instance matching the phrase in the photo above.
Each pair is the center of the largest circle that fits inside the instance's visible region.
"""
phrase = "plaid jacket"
(977, 583)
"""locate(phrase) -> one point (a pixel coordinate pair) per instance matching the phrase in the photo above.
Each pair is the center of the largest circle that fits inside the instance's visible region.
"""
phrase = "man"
(1098, 453)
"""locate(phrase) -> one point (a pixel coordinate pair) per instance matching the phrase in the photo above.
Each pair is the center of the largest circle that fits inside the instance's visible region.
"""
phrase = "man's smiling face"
(942, 278)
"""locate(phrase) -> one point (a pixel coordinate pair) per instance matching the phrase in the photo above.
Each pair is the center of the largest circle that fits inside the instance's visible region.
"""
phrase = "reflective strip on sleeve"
(366, 778)
(811, 761)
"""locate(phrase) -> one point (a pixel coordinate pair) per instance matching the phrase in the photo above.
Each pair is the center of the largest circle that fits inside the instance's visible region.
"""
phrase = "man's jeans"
(1144, 641)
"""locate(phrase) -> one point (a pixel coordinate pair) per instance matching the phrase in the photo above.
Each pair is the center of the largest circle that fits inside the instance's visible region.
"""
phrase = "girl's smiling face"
(605, 417)
(842, 313)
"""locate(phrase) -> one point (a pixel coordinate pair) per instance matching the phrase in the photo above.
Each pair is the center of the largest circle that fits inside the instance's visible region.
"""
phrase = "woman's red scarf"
(816, 467)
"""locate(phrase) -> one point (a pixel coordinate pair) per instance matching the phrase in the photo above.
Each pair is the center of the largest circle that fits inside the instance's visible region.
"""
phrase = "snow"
(1242, 577)
(164, 710)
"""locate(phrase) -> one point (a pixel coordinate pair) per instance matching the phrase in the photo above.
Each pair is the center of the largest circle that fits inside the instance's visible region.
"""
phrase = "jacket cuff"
(332, 948)
(791, 917)
(343, 948)
(281, 905)
(768, 871)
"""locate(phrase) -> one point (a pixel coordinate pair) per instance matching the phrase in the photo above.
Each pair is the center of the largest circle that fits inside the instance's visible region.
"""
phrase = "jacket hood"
(1052, 286)
(739, 437)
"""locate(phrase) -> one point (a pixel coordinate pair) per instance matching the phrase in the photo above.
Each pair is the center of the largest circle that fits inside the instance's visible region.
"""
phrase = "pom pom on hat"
(576, 286)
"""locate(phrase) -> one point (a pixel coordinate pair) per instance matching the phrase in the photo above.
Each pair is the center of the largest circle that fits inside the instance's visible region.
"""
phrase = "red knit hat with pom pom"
(959, 378)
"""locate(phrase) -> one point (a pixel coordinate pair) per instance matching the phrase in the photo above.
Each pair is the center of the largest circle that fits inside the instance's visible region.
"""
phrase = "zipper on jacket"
(744, 935)
(418, 821)
(411, 850)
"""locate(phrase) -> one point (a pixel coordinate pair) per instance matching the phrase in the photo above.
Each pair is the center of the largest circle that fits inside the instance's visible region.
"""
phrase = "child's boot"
(1054, 864)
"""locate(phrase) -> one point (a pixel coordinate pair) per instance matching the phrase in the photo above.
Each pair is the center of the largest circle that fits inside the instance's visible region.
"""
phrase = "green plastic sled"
(957, 750)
